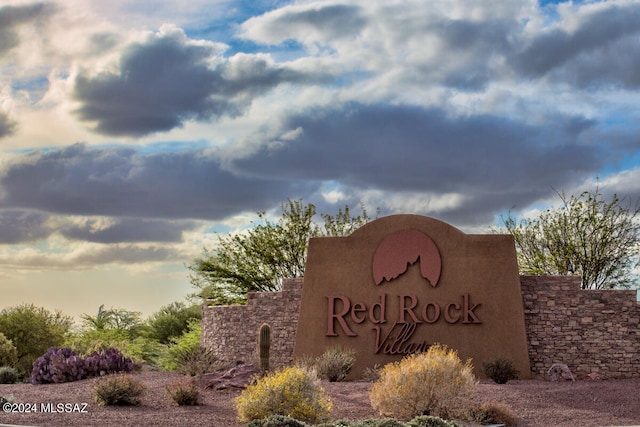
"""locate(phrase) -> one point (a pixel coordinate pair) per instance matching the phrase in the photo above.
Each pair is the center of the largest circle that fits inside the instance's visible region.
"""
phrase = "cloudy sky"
(131, 132)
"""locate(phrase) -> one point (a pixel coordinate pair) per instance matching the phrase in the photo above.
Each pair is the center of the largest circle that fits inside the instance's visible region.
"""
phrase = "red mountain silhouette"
(403, 248)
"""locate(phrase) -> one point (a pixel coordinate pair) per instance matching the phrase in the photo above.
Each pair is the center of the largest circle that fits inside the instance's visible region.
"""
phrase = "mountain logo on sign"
(403, 248)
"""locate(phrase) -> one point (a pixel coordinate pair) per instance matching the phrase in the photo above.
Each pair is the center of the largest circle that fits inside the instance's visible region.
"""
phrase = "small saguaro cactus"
(264, 344)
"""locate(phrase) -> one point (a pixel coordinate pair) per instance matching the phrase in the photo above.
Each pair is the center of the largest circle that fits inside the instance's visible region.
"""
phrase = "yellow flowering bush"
(432, 383)
(292, 391)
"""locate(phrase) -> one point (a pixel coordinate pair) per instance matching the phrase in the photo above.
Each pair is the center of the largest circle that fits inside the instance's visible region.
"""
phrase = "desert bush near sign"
(402, 283)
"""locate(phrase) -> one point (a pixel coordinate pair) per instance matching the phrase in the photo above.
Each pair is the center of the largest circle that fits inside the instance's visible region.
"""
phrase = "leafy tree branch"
(260, 258)
(587, 236)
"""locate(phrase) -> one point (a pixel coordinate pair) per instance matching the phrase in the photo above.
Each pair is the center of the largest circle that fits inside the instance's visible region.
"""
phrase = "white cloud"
(334, 196)
(422, 202)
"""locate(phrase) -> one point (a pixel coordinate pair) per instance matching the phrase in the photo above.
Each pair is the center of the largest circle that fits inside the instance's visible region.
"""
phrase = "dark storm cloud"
(127, 230)
(23, 226)
(13, 16)
(167, 80)
(403, 148)
(124, 183)
(617, 64)
(337, 19)
(18, 226)
(479, 41)
(6, 125)
(126, 254)
(603, 49)
(332, 20)
(466, 35)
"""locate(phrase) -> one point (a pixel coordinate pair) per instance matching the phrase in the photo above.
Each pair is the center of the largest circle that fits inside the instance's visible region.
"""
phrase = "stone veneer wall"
(231, 331)
(592, 331)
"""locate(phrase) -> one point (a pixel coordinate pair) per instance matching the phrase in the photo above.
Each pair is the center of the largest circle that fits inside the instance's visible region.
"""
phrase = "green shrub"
(291, 391)
(277, 421)
(382, 422)
(335, 363)
(181, 346)
(145, 350)
(140, 350)
(371, 375)
(430, 421)
(493, 413)
(197, 361)
(118, 389)
(171, 321)
(187, 356)
(115, 319)
(432, 383)
(184, 393)
(8, 352)
(9, 375)
(339, 423)
(420, 421)
(500, 370)
(306, 362)
(33, 330)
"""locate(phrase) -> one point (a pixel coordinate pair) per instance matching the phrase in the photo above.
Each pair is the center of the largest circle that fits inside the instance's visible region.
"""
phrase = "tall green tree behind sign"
(260, 258)
(586, 236)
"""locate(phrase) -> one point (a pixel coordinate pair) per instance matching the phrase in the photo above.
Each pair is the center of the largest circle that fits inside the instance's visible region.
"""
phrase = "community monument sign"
(404, 282)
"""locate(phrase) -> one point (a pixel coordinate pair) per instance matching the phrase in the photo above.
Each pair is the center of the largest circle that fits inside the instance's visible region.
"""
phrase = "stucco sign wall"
(404, 282)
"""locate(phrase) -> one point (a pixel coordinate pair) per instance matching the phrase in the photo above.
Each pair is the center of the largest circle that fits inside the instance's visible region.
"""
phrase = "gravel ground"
(537, 403)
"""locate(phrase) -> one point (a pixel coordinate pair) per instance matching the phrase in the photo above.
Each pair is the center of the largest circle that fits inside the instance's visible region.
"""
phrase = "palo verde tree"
(258, 259)
(587, 236)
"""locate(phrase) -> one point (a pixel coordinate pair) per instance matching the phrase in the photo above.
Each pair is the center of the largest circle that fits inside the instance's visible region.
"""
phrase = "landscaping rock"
(237, 377)
(595, 376)
(560, 371)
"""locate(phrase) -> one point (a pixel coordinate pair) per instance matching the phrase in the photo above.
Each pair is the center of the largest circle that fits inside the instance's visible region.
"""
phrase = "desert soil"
(537, 403)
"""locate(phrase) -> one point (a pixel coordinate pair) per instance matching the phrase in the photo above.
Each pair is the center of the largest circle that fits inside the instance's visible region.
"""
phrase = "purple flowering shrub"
(60, 365)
